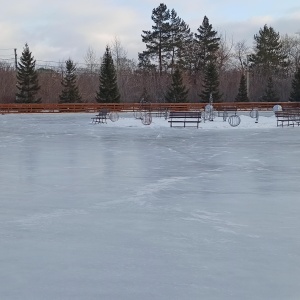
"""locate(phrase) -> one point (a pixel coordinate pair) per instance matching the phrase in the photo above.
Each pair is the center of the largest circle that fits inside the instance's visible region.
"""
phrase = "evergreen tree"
(295, 93)
(187, 51)
(70, 92)
(210, 83)
(270, 95)
(177, 92)
(268, 58)
(157, 40)
(242, 95)
(108, 87)
(207, 44)
(180, 36)
(145, 63)
(27, 78)
(169, 43)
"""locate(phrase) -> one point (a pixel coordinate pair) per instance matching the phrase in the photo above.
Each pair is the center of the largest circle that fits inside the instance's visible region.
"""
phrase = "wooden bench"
(288, 117)
(184, 118)
(101, 117)
(223, 111)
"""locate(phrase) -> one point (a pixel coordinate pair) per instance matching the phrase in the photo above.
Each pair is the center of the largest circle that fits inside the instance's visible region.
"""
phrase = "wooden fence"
(123, 107)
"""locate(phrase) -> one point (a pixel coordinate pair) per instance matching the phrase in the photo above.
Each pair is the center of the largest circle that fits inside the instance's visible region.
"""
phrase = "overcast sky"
(56, 30)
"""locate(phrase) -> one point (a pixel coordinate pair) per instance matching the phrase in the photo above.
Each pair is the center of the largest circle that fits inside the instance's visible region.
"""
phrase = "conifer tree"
(210, 84)
(242, 95)
(207, 44)
(268, 58)
(187, 51)
(177, 92)
(295, 93)
(27, 79)
(167, 43)
(156, 40)
(270, 94)
(70, 92)
(145, 62)
(179, 40)
(108, 87)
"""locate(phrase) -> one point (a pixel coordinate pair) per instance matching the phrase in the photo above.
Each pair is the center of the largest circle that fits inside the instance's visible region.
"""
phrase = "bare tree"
(125, 69)
(119, 54)
(50, 82)
(7, 83)
(224, 54)
(91, 60)
(291, 48)
(241, 50)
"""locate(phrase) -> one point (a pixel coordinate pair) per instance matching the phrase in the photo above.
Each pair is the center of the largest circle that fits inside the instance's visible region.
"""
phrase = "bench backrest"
(287, 113)
(185, 114)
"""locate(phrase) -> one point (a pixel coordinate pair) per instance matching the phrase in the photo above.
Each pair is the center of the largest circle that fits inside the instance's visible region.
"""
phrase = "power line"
(50, 61)
(58, 62)
(40, 63)
(6, 59)
(7, 49)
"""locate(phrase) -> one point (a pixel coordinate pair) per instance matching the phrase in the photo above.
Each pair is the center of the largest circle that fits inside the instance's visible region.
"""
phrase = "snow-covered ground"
(127, 211)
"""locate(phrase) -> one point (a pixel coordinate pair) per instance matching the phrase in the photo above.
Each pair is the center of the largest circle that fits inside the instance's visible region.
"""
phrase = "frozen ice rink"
(127, 211)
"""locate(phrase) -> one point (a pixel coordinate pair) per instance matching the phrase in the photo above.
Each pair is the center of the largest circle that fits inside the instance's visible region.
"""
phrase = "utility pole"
(16, 59)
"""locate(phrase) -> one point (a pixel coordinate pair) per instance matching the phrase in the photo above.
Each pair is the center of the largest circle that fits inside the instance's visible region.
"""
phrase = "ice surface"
(127, 211)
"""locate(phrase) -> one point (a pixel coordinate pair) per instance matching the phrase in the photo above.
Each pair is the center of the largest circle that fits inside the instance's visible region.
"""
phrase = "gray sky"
(60, 29)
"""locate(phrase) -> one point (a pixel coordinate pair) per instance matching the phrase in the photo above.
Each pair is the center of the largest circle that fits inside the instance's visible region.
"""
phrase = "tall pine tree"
(27, 79)
(268, 58)
(180, 36)
(157, 40)
(242, 95)
(186, 52)
(207, 45)
(210, 84)
(70, 92)
(108, 87)
(270, 94)
(177, 92)
(295, 93)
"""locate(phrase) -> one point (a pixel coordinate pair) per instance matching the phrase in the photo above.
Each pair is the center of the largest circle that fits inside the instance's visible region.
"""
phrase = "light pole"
(16, 58)
(247, 77)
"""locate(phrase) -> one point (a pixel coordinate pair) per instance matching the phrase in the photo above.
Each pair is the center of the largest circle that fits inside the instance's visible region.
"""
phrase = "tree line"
(177, 65)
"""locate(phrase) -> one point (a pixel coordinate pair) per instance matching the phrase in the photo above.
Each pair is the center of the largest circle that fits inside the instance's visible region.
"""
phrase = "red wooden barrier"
(95, 107)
